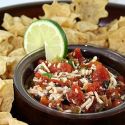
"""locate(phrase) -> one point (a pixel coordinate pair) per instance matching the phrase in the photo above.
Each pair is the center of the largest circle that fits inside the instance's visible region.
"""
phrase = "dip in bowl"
(73, 90)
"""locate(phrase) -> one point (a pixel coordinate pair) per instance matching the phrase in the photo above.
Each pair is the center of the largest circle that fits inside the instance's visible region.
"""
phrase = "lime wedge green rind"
(49, 34)
(63, 36)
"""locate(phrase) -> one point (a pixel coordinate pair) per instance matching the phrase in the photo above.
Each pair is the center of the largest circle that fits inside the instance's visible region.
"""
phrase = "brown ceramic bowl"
(37, 114)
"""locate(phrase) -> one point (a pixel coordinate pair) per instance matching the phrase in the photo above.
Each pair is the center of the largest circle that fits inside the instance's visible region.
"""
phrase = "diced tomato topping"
(53, 68)
(75, 87)
(78, 54)
(65, 67)
(100, 74)
(93, 86)
(68, 83)
(58, 82)
(43, 78)
(116, 91)
(75, 95)
(44, 100)
(37, 75)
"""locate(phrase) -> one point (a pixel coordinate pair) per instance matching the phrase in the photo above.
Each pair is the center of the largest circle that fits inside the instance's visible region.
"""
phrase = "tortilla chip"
(17, 52)
(57, 9)
(71, 21)
(5, 48)
(76, 37)
(2, 66)
(4, 117)
(11, 64)
(7, 21)
(117, 40)
(1, 99)
(83, 26)
(121, 22)
(26, 20)
(16, 122)
(99, 37)
(90, 10)
(66, 21)
(14, 24)
(5, 35)
(7, 93)
(17, 42)
(113, 25)
(18, 27)
(98, 43)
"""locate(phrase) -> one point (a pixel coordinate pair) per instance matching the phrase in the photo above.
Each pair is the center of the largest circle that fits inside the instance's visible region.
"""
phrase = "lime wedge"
(48, 34)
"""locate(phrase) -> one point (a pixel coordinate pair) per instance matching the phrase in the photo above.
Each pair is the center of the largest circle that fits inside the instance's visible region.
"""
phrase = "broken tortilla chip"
(7, 93)
(91, 10)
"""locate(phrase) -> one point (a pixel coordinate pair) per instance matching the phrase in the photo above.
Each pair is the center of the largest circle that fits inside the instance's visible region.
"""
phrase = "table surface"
(4, 3)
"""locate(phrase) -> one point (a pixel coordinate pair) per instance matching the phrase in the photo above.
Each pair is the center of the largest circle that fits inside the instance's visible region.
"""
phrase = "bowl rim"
(36, 105)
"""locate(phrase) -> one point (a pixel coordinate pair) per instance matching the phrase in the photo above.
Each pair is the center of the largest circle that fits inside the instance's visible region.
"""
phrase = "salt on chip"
(84, 26)
(91, 10)
(56, 9)
(7, 93)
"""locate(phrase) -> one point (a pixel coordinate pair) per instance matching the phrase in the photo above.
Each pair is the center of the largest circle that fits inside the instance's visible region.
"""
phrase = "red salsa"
(77, 85)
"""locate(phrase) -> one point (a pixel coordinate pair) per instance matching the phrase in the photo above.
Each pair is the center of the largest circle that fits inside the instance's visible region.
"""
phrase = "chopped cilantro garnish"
(70, 62)
(49, 75)
(42, 67)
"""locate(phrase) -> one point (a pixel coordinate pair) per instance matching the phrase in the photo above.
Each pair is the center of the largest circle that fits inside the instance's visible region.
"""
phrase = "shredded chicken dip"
(76, 85)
